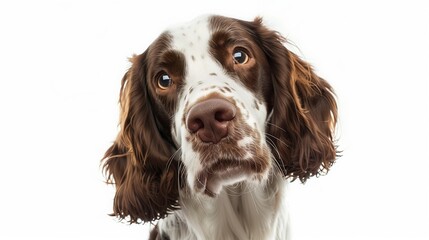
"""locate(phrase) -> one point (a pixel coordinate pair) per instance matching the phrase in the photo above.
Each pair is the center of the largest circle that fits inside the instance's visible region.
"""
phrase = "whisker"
(280, 160)
(278, 139)
(172, 157)
(276, 126)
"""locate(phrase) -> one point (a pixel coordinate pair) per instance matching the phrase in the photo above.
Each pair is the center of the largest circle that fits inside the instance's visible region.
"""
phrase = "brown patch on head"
(162, 59)
(231, 35)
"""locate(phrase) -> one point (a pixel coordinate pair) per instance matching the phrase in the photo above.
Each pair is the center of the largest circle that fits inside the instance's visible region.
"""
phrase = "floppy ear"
(139, 162)
(304, 111)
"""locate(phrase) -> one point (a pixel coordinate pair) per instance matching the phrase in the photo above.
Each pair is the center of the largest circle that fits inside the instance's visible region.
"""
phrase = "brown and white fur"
(215, 115)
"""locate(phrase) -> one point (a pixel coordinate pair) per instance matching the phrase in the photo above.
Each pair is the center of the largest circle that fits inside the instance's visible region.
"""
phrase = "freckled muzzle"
(229, 149)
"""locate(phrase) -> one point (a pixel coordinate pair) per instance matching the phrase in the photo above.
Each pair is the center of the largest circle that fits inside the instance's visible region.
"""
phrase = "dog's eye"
(164, 81)
(240, 56)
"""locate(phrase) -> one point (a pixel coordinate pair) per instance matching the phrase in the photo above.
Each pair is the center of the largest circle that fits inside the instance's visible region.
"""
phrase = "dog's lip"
(211, 181)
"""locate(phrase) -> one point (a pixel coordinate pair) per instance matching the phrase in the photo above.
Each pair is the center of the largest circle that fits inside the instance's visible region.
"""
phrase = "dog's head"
(211, 103)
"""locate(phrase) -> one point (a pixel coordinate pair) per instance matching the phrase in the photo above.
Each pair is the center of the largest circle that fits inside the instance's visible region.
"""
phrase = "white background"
(60, 68)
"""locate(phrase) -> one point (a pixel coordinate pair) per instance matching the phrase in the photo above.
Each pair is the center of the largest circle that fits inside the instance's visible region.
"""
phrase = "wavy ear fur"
(304, 111)
(139, 162)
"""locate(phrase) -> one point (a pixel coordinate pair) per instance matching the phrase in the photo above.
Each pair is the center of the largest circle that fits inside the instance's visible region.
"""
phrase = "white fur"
(241, 212)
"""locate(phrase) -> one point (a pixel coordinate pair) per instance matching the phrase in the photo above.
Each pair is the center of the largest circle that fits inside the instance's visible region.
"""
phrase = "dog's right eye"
(164, 81)
(240, 56)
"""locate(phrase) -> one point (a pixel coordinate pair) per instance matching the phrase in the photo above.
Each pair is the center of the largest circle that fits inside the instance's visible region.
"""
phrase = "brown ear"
(140, 160)
(304, 111)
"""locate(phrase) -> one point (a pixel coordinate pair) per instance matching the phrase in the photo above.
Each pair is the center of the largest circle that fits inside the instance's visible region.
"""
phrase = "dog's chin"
(210, 182)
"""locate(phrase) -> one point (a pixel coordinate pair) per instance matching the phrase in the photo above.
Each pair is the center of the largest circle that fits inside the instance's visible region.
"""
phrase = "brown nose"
(209, 119)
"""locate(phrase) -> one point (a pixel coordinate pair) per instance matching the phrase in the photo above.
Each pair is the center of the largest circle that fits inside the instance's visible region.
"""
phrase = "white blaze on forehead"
(202, 69)
(192, 39)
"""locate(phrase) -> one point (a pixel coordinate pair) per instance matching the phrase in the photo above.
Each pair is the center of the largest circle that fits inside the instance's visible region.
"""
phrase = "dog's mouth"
(240, 156)
(225, 172)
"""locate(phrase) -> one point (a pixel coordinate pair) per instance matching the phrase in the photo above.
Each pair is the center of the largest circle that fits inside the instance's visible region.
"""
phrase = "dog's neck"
(241, 211)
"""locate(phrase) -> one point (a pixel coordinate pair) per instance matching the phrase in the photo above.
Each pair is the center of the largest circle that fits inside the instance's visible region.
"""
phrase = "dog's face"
(221, 95)
(211, 103)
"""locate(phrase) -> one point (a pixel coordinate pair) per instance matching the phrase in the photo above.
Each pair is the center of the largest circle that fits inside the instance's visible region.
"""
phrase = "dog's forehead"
(192, 38)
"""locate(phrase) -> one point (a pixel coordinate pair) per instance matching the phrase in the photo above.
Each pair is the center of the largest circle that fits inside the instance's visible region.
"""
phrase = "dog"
(216, 116)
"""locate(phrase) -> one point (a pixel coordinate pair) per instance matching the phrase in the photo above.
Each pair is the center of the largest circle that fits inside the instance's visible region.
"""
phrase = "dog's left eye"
(164, 81)
(240, 56)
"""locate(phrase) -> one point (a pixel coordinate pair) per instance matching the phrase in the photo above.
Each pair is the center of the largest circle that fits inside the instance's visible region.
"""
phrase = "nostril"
(195, 124)
(226, 114)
